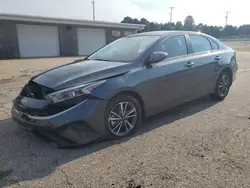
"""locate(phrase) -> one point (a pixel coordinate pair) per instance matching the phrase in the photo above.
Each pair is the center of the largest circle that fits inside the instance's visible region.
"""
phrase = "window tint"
(214, 45)
(200, 44)
(174, 46)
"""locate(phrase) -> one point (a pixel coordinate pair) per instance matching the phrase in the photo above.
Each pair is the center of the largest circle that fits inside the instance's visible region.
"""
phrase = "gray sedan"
(108, 93)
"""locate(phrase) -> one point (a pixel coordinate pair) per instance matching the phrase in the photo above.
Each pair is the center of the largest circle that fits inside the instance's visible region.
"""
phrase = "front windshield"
(125, 49)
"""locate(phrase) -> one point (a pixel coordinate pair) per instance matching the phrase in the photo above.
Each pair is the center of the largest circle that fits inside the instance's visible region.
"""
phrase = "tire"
(121, 125)
(222, 87)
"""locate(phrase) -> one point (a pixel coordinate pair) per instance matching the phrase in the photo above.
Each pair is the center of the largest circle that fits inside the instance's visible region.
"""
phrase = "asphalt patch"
(5, 173)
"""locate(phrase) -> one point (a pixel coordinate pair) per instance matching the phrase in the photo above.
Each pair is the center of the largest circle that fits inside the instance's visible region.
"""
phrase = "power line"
(93, 5)
(227, 12)
(171, 13)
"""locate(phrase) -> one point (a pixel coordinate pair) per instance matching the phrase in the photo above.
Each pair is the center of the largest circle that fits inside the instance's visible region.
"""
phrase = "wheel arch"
(229, 70)
(133, 94)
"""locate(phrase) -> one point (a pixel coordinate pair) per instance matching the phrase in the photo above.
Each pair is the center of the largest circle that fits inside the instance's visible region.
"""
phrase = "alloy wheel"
(122, 118)
(224, 85)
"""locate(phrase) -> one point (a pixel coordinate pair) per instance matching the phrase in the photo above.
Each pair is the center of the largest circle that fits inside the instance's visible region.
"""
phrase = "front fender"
(113, 87)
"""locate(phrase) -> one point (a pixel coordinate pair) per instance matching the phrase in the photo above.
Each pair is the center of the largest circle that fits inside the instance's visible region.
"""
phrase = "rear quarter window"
(214, 45)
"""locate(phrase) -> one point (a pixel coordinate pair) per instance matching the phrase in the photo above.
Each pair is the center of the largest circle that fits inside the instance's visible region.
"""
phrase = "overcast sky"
(211, 12)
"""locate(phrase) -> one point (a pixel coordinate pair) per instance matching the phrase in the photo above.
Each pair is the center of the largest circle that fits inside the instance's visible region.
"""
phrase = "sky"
(210, 12)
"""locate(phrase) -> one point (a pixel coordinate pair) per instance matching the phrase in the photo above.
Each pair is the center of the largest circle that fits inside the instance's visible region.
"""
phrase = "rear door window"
(200, 44)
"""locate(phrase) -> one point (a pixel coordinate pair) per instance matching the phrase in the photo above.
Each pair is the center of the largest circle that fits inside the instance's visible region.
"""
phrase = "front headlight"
(73, 92)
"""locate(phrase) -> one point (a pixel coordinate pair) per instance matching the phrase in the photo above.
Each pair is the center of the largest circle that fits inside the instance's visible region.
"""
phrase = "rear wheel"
(222, 86)
(123, 116)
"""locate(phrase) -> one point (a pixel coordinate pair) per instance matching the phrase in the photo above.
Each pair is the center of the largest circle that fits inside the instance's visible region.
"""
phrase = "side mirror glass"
(157, 57)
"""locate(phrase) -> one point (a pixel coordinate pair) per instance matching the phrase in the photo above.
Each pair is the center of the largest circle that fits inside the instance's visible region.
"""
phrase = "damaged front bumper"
(78, 125)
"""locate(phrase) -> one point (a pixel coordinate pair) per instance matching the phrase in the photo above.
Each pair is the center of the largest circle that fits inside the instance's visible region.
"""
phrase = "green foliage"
(178, 26)
(189, 24)
(228, 32)
(127, 20)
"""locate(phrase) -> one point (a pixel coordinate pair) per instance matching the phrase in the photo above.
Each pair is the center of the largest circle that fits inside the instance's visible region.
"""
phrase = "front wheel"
(123, 116)
(222, 86)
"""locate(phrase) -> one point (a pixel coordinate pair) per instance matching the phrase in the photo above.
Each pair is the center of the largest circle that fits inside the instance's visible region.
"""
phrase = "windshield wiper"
(99, 59)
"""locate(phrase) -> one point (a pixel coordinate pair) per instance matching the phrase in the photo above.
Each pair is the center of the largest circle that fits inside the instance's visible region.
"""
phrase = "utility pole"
(171, 13)
(227, 12)
(93, 4)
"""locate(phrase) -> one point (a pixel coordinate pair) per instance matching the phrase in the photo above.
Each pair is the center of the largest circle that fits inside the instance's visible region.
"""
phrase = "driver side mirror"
(157, 57)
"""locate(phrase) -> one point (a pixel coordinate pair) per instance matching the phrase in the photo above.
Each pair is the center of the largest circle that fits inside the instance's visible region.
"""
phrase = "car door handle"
(189, 64)
(217, 58)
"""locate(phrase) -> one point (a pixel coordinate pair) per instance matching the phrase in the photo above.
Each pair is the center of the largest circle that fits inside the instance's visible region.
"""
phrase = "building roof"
(40, 19)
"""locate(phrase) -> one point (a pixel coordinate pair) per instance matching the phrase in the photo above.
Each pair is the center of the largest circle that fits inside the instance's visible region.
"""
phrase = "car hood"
(82, 72)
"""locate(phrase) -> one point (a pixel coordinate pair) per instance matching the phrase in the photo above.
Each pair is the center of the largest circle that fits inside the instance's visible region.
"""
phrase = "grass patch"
(237, 39)
(242, 49)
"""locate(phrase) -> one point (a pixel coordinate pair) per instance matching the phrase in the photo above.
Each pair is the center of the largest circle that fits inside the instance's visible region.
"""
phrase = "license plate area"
(25, 117)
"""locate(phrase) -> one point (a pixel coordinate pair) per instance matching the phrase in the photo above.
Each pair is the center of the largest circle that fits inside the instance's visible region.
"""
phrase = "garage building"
(24, 36)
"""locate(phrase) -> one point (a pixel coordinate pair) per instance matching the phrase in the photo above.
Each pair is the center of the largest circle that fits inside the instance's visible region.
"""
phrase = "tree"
(136, 21)
(127, 20)
(199, 27)
(229, 30)
(168, 26)
(178, 26)
(153, 26)
(189, 23)
(144, 21)
(205, 29)
(171, 25)
(244, 30)
(215, 31)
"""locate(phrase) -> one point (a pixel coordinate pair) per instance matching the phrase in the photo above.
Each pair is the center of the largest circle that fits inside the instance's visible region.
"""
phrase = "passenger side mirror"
(157, 57)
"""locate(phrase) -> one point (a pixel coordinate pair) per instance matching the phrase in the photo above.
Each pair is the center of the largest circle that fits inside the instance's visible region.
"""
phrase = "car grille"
(36, 91)
(32, 111)
(47, 111)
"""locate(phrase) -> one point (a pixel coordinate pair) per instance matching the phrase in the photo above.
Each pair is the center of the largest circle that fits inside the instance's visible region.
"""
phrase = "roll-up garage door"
(89, 40)
(38, 41)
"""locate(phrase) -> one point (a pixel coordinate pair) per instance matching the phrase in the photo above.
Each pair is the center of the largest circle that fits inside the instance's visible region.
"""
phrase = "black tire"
(112, 105)
(218, 95)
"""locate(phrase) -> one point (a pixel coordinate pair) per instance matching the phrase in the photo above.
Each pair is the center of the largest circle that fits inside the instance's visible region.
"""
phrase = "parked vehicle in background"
(108, 93)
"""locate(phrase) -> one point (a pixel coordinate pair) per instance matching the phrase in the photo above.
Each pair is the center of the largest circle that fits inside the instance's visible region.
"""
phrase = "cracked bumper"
(78, 125)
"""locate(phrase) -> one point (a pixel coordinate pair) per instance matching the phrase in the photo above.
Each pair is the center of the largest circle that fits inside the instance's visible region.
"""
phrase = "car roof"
(163, 34)
(166, 33)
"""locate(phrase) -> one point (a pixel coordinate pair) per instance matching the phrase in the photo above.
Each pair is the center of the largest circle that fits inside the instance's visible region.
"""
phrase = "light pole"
(93, 5)
(227, 12)
(171, 13)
